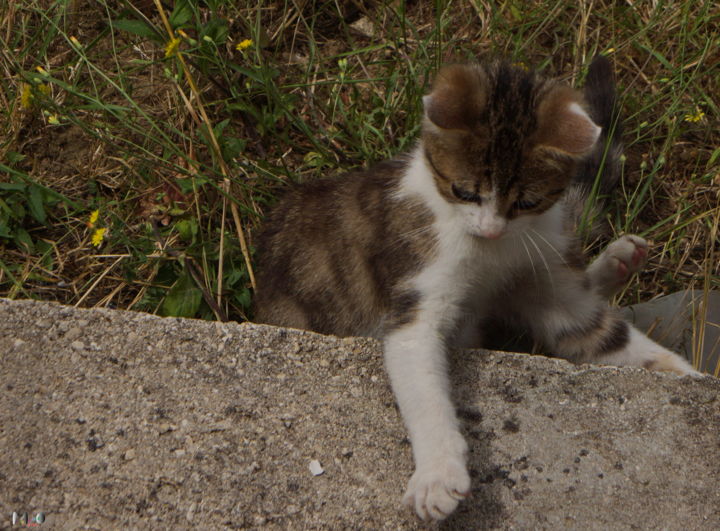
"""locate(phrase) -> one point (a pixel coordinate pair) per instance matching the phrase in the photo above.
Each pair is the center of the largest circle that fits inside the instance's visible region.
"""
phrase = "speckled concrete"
(113, 420)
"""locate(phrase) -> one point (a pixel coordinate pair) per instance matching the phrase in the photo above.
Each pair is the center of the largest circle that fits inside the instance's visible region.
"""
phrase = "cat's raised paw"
(613, 268)
(435, 490)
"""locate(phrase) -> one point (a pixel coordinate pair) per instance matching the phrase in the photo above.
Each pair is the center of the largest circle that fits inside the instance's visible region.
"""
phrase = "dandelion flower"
(93, 218)
(694, 117)
(26, 96)
(172, 46)
(244, 45)
(98, 237)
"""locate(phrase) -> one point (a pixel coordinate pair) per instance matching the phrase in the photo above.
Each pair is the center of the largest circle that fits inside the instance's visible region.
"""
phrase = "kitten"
(473, 224)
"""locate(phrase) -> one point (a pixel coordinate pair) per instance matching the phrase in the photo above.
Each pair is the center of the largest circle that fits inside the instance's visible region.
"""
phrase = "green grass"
(183, 155)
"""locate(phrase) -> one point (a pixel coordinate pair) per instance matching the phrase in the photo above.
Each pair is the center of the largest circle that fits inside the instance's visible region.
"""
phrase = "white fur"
(641, 351)
(595, 131)
(483, 220)
(467, 268)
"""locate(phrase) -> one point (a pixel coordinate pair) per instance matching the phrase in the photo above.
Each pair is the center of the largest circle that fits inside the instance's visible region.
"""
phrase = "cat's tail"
(599, 173)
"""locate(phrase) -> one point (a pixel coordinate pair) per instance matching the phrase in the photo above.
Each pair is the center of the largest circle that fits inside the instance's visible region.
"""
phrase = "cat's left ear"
(564, 125)
(458, 97)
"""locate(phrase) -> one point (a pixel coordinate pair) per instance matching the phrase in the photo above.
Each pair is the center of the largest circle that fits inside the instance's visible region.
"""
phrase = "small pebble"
(316, 468)
(191, 512)
(74, 333)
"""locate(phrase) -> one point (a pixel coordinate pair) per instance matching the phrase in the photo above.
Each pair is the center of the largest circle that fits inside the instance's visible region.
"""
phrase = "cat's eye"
(464, 195)
(525, 204)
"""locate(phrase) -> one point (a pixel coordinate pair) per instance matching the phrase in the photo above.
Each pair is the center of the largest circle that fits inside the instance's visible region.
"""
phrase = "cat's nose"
(494, 235)
(492, 228)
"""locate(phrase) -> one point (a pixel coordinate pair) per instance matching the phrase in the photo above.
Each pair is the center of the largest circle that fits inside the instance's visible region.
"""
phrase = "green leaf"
(13, 186)
(22, 237)
(232, 147)
(715, 156)
(185, 184)
(181, 14)
(14, 157)
(4, 230)
(183, 299)
(220, 127)
(118, 109)
(243, 298)
(216, 29)
(35, 201)
(187, 228)
(136, 27)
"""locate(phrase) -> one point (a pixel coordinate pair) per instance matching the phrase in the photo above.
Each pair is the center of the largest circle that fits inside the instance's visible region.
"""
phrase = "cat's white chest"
(466, 266)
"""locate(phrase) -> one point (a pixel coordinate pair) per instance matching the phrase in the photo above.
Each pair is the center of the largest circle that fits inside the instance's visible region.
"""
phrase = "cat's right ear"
(458, 97)
(564, 126)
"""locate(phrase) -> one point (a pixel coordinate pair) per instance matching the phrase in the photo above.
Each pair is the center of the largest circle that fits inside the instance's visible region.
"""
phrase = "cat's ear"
(563, 125)
(458, 97)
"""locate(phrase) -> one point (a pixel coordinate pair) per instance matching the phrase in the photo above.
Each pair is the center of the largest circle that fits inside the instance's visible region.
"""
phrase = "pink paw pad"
(622, 271)
(639, 257)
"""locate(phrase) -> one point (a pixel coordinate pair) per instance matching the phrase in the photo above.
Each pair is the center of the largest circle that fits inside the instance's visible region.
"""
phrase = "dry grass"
(115, 126)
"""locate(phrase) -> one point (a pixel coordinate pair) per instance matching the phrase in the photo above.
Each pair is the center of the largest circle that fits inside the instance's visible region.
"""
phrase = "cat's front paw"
(436, 489)
(613, 268)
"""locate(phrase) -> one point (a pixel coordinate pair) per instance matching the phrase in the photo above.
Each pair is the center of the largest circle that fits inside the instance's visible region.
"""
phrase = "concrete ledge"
(112, 419)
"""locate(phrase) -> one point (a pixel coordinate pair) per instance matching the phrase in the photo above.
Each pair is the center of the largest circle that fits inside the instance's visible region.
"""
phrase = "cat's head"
(502, 143)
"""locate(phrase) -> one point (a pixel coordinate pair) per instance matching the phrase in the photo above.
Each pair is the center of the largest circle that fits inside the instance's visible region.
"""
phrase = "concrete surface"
(117, 420)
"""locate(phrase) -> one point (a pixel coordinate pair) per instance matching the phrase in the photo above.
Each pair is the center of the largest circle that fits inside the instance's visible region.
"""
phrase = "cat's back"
(307, 206)
(331, 250)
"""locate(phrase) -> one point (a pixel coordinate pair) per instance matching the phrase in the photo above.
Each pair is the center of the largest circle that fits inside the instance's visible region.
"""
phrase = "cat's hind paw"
(617, 263)
(671, 362)
(436, 489)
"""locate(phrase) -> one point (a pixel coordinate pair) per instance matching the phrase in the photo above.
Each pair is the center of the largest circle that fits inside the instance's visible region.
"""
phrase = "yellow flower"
(75, 42)
(98, 237)
(171, 47)
(695, 117)
(26, 96)
(93, 218)
(53, 119)
(244, 45)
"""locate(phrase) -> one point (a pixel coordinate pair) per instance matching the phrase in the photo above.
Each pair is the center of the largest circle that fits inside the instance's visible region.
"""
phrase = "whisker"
(542, 257)
(551, 246)
(532, 263)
